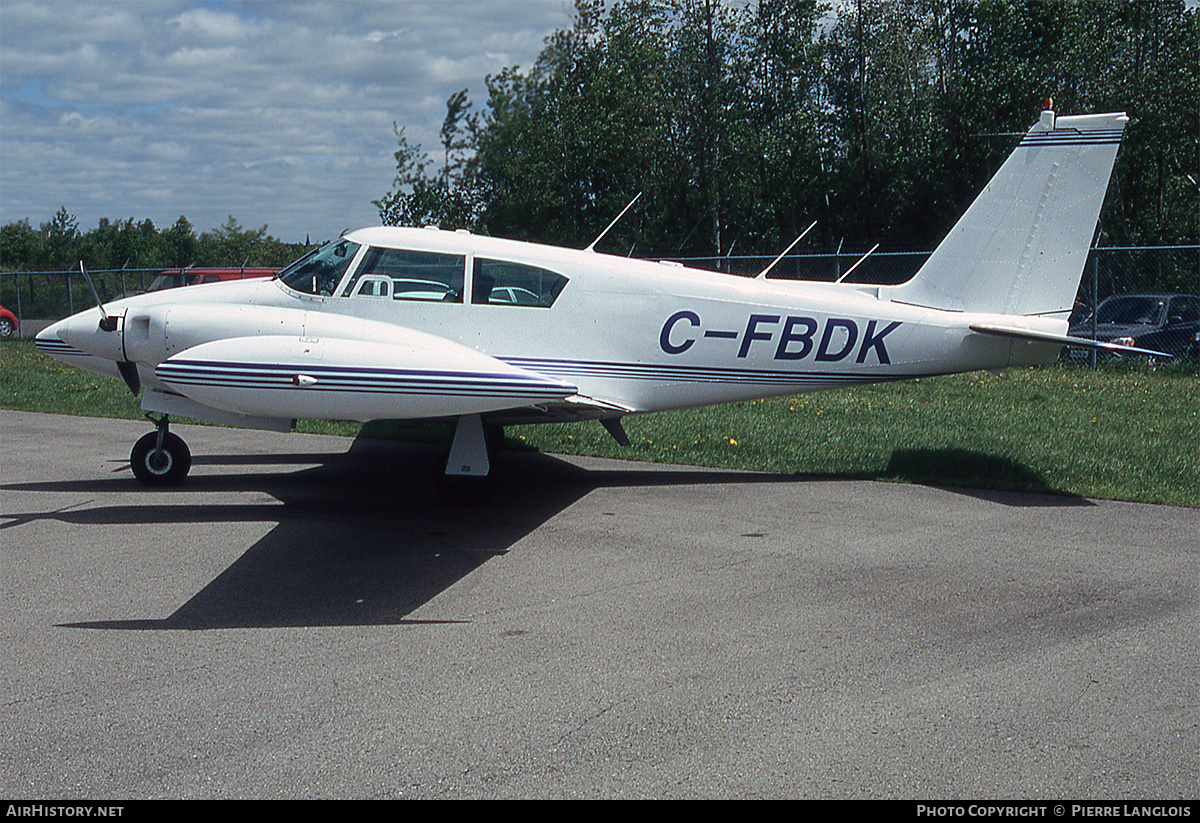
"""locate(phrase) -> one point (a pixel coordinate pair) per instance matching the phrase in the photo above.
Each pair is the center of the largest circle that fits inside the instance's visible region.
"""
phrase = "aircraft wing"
(567, 410)
(413, 375)
(1064, 340)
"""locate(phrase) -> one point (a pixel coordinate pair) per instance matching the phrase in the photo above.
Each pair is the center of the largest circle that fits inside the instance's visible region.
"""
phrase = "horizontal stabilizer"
(1065, 340)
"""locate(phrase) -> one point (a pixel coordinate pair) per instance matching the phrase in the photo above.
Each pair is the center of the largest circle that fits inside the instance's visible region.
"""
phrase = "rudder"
(1021, 246)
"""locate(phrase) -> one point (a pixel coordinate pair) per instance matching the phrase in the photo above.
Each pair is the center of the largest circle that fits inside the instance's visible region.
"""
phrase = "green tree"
(19, 245)
(739, 123)
(776, 167)
(232, 245)
(180, 243)
(61, 244)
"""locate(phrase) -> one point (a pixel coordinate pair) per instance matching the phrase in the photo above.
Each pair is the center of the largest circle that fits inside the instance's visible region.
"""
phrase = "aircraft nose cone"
(51, 332)
(50, 341)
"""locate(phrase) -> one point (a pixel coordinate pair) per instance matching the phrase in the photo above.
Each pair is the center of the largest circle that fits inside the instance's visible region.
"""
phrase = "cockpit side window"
(320, 271)
(498, 282)
(415, 275)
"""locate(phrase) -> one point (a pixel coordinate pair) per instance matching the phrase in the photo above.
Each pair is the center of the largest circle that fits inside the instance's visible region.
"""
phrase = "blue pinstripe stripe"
(57, 348)
(688, 374)
(358, 379)
(1070, 137)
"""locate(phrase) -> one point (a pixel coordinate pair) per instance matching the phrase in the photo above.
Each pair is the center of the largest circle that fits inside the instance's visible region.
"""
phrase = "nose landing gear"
(160, 458)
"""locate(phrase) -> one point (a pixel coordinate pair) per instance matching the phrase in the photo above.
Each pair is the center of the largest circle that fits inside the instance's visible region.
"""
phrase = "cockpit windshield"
(320, 271)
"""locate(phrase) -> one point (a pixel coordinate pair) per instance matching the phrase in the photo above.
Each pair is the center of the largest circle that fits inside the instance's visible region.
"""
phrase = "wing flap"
(567, 410)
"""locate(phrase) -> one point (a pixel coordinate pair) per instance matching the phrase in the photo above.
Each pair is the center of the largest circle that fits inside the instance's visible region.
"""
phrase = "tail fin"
(1022, 245)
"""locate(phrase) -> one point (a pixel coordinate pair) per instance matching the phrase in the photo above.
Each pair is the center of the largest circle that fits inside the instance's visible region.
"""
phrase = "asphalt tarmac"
(306, 617)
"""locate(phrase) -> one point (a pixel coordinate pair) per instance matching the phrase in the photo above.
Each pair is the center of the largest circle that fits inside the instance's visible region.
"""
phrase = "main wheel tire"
(165, 467)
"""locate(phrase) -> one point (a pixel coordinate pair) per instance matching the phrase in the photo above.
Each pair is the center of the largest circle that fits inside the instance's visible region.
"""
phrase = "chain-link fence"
(877, 269)
(1163, 322)
(50, 295)
(38, 298)
(1143, 296)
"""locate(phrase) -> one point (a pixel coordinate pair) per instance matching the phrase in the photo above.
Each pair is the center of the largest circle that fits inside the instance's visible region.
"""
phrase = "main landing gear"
(160, 458)
(468, 478)
(163, 459)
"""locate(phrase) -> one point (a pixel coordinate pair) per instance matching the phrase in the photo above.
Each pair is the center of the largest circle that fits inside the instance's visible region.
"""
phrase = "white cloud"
(215, 25)
(275, 113)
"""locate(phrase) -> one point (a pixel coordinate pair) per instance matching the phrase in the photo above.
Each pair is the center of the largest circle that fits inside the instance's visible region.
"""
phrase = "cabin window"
(414, 275)
(497, 282)
(319, 271)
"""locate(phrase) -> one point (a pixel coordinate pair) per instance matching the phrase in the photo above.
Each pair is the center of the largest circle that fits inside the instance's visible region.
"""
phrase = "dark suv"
(1167, 323)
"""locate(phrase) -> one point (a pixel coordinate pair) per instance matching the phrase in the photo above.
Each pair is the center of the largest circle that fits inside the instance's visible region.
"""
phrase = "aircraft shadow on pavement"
(365, 537)
(362, 538)
(977, 474)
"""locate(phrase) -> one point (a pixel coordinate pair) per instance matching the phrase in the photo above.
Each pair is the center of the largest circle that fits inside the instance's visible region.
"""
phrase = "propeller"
(108, 322)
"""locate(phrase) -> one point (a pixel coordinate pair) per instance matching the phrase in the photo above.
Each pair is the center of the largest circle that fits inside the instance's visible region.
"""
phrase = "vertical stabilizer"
(1022, 245)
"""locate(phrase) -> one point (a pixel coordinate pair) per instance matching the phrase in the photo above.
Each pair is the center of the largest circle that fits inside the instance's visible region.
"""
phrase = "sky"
(274, 112)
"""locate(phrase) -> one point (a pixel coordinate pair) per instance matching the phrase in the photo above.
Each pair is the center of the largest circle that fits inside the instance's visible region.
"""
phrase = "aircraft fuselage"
(642, 336)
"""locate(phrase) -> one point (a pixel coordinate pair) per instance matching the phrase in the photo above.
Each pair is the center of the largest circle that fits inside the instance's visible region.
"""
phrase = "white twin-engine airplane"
(401, 323)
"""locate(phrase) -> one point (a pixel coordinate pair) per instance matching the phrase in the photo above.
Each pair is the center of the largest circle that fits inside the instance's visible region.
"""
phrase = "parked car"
(173, 278)
(8, 323)
(1168, 323)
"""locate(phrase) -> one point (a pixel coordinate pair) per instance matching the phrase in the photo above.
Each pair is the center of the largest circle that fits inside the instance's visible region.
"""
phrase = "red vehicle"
(172, 278)
(8, 323)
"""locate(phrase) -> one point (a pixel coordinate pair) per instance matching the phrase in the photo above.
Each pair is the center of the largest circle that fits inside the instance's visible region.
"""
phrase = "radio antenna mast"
(592, 247)
(762, 275)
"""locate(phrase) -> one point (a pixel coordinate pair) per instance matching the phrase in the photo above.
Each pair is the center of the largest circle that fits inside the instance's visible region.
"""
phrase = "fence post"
(17, 286)
(1095, 301)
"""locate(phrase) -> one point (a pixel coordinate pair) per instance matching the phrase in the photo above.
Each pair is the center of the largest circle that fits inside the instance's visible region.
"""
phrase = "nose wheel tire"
(160, 466)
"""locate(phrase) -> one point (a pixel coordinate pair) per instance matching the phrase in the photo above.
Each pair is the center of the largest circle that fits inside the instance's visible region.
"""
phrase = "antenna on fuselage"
(846, 273)
(592, 247)
(763, 274)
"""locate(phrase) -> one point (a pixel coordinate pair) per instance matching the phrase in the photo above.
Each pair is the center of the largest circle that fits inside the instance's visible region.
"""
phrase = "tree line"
(59, 244)
(740, 123)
